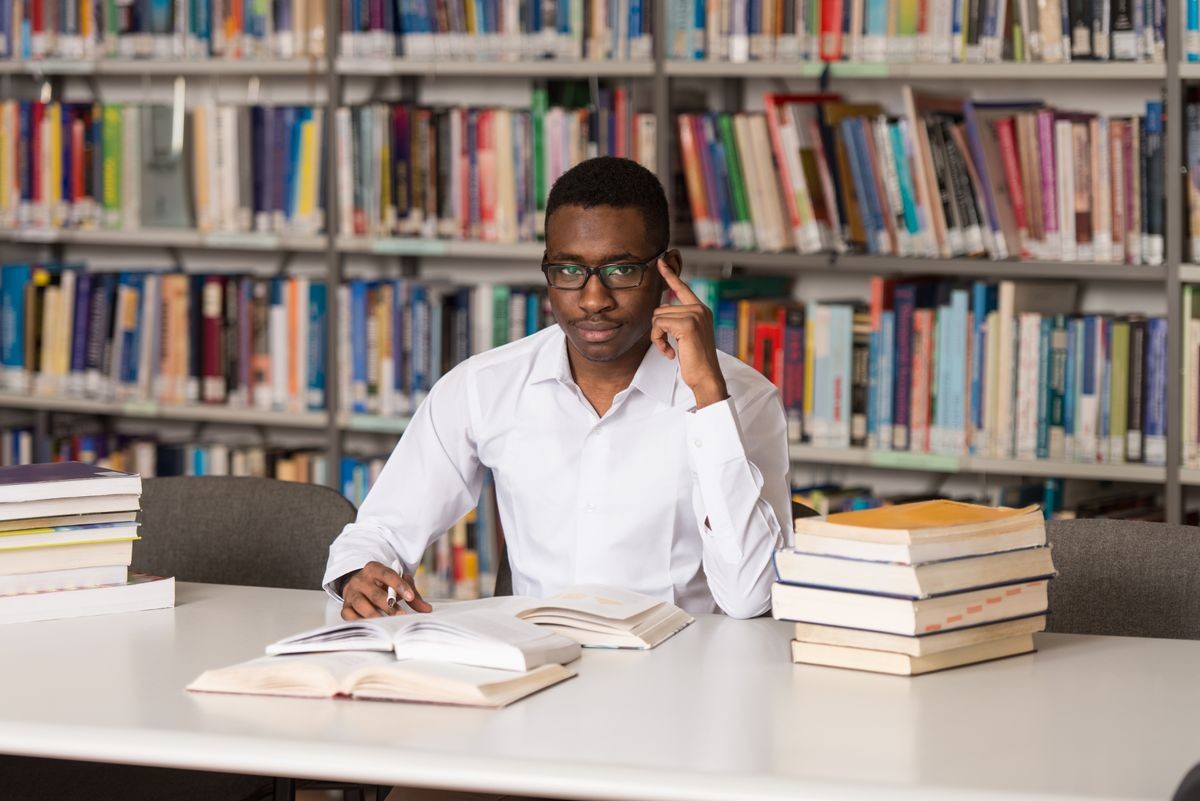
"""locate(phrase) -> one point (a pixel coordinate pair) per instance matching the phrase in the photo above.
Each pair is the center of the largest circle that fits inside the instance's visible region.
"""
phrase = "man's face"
(602, 324)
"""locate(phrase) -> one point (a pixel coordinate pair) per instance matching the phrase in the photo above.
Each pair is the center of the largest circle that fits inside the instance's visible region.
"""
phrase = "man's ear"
(674, 260)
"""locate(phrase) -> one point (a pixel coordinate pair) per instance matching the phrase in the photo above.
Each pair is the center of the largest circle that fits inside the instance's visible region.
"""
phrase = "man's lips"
(597, 332)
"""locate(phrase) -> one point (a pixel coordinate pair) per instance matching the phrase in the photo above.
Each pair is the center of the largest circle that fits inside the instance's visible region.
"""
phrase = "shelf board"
(150, 409)
(169, 238)
(441, 248)
(374, 423)
(382, 67)
(1189, 71)
(975, 465)
(1189, 273)
(170, 67)
(1088, 71)
(1189, 476)
(984, 268)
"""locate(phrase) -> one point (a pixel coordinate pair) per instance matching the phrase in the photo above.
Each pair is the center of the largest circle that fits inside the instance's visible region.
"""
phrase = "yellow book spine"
(54, 121)
(308, 178)
(8, 125)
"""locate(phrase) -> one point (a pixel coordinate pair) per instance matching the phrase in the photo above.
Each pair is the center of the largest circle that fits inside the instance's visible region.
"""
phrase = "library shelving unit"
(1168, 79)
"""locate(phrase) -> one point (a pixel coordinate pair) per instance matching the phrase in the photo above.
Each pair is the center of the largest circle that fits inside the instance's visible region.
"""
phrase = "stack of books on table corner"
(66, 542)
(915, 588)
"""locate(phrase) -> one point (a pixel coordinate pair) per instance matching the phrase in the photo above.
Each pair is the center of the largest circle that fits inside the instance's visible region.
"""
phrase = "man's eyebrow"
(575, 258)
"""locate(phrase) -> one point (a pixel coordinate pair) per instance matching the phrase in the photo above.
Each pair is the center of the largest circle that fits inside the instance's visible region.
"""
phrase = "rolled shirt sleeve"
(741, 497)
(431, 479)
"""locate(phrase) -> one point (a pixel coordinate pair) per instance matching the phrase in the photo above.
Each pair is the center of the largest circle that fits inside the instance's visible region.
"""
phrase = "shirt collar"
(655, 376)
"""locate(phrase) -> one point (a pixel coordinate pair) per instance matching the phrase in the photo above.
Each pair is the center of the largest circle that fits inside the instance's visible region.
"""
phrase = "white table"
(716, 713)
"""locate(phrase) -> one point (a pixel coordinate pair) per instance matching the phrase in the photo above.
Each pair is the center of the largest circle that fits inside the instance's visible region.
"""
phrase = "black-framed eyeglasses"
(621, 275)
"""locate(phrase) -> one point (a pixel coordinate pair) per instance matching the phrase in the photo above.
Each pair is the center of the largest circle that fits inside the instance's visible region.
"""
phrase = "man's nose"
(595, 297)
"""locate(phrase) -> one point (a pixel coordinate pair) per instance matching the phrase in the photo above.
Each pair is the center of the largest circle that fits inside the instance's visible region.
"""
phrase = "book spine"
(1134, 439)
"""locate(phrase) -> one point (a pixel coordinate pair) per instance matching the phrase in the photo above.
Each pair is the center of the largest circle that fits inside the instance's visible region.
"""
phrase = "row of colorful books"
(400, 336)
(166, 337)
(505, 30)
(159, 29)
(1002, 370)
(950, 177)
(234, 169)
(475, 173)
(921, 31)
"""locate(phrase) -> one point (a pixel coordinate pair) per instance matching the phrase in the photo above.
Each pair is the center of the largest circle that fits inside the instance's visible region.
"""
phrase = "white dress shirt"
(620, 499)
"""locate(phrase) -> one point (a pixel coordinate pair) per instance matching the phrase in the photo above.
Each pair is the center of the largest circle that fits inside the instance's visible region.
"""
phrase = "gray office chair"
(249, 531)
(1125, 578)
(220, 530)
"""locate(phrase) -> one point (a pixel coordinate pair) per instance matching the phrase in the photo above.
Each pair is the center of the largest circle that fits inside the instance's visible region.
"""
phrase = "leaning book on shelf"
(369, 675)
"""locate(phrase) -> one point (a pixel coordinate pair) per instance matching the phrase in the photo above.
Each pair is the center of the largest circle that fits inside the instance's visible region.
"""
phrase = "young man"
(626, 449)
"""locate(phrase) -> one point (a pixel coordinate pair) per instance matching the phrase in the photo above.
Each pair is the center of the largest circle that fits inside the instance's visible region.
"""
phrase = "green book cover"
(111, 146)
(500, 314)
(1118, 383)
(537, 111)
(1058, 388)
(737, 183)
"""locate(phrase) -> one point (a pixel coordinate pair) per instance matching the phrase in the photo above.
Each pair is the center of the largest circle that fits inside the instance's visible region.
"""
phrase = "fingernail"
(408, 596)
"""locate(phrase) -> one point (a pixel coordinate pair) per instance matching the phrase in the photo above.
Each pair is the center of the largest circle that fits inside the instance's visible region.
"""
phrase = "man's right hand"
(364, 594)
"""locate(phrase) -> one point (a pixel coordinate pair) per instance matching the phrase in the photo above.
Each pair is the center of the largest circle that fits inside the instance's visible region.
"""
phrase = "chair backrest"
(235, 530)
(1126, 578)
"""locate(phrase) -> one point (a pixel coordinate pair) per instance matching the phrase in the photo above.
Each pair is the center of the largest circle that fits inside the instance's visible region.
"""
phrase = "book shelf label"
(376, 423)
(409, 247)
(905, 460)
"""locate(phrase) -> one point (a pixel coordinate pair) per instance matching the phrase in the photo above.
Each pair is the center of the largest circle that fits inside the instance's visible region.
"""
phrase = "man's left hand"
(691, 326)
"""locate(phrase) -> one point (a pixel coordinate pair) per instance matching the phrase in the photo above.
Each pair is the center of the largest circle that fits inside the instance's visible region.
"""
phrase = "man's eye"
(622, 270)
(570, 270)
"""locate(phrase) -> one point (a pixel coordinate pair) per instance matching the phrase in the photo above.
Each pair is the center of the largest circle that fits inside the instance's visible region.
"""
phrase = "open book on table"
(477, 636)
(378, 676)
(599, 616)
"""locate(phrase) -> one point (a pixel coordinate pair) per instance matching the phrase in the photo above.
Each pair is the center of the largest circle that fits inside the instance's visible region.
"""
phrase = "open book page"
(442, 683)
(472, 636)
(312, 675)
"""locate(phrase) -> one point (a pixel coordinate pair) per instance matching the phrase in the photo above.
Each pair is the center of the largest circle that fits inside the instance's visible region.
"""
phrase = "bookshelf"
(659, 76)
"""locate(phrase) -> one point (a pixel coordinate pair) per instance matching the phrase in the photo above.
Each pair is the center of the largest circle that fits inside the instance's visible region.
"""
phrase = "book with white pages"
(65, 557)
(600, 616)
(67, 535)
(70, 579)
(38, 482)
(378, 676)
(57, 507)
(68, 520)
(478, 636)
(140, 593)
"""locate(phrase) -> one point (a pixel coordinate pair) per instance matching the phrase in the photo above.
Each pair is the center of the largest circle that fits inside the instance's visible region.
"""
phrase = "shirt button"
(697, 443)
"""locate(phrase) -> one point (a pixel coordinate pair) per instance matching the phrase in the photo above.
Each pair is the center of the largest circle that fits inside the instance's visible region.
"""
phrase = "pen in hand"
(392, 600)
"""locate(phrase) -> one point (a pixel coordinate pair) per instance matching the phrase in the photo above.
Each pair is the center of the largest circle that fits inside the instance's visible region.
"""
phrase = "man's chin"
(598, 351)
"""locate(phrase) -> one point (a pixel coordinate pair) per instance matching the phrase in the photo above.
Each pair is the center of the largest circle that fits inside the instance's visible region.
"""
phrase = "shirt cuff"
(714, 435)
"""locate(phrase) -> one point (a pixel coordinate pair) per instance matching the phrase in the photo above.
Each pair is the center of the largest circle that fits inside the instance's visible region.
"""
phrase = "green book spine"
(500, 314)
(111, 146)
(1118, 391)
(737, 181)
(537, 111)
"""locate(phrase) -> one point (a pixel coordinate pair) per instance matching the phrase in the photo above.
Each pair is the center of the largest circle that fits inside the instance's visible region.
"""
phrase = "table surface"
(718, 712)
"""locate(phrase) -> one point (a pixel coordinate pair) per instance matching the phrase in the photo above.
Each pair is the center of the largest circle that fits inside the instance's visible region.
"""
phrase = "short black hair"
(619, 183)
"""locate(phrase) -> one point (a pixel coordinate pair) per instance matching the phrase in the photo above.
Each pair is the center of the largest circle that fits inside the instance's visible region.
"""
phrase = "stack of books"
(66, 540)
(915, 588)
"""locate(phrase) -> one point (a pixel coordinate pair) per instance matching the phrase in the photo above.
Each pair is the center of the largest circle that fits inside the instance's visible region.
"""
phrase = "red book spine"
(35, 152)
(486, 159)
(212, 370)
(1006, 133)
(694, 179)
(831, 30)
(918, 424)
(77, 160)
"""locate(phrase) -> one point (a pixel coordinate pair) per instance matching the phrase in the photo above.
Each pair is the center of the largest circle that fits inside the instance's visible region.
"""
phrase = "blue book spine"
(131, 337)
(904, 302)
(14, 278)
(699, 25)
(400, 337)
(79, 316)
(887, 373)
(979, 310)
(294, 125)
(1192, 39)
(318, 318)
(202, 23)
(346, 477)
(912, 220)
(358, 346)
(717, 177)
(1155, 404)
(533, 313)
(6, 28)
(865, 181)
(635, 19)
(727, 326)
(24, 145)
(1071, 387)
(960, 302)
(562, 16)
(1105, 341)
(420, 342)
(68, 153)
(1044, 378)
